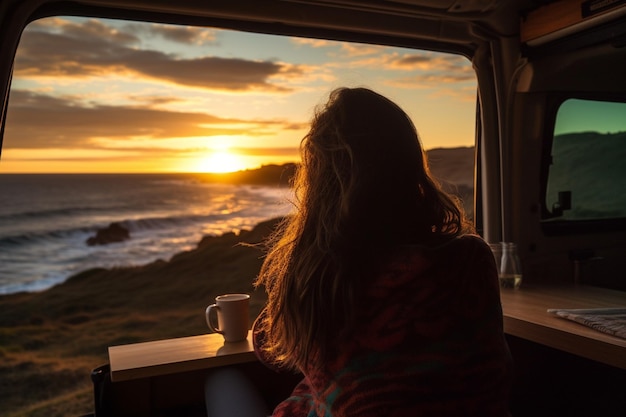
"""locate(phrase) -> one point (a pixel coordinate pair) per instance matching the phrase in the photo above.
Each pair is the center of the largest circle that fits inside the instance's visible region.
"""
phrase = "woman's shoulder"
(420, 258)
(453, 252)
(471, 241)
(465, 251)
(466, 242)
(469, 246)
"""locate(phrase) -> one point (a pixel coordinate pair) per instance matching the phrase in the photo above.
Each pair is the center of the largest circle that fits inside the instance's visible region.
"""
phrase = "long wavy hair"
(363, 188)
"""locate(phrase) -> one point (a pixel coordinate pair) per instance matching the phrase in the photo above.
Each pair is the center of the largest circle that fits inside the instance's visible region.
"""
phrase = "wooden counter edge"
(525, 315)
(179, 367)
(183, 354)
(594, 349)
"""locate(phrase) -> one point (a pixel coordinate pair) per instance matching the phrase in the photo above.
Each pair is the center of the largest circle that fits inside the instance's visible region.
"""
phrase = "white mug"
(233, 316)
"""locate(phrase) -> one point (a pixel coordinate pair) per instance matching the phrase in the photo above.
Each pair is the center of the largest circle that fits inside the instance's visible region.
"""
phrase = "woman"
(378, 293)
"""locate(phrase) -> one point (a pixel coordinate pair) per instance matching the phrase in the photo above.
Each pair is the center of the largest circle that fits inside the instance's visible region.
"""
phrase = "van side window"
(587, 174)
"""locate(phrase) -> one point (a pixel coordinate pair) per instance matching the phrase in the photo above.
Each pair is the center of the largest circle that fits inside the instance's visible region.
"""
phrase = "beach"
(51, 340)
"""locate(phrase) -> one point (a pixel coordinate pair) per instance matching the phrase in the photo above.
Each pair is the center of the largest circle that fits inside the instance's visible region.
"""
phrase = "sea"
(46, 219)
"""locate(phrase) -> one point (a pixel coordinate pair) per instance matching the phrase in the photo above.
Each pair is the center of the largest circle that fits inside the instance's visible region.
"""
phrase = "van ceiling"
(501, 16)
(452, 25)
(491, 12)
(452, 6)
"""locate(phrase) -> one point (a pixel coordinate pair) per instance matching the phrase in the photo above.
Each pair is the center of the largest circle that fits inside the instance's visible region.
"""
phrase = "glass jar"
(510, 267)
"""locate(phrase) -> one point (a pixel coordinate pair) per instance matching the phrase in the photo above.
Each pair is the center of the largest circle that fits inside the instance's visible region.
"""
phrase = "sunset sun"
(220, 162)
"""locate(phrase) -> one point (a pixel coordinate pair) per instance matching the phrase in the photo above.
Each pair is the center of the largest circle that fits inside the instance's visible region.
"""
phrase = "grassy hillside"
(51, 340)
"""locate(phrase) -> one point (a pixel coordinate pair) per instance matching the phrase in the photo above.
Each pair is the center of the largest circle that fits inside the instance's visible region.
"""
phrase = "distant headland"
(449, 165)
(272, 174)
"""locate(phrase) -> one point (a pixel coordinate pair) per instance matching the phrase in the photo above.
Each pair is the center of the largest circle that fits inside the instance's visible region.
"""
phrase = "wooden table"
(143, 360)
(526, 316)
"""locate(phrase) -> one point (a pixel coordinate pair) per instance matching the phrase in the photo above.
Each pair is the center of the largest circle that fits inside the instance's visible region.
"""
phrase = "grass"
(51, 340)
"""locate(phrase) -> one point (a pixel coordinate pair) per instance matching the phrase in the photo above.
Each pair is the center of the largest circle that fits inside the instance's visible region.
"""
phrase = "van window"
(151, 104)
(587, 174)
(133, 124)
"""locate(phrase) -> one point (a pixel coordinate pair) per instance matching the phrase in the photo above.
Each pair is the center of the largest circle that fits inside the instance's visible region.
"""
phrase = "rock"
(114, 232)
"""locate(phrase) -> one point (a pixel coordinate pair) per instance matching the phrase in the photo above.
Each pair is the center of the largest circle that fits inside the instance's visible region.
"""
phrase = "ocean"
(46, 219)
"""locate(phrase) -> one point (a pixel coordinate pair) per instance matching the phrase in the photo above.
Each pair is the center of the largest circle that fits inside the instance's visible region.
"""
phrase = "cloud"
(42, 121)
(91, 29)
(451, 68)
(359, 49)
(211, 72)
(314, 43)
(155, 100)
(426, 61)
(423, 70)
(429, 80)
(91, 48)
(295, 152)
(410, 62)
(182, 34)
(346, 49)
(419, 70)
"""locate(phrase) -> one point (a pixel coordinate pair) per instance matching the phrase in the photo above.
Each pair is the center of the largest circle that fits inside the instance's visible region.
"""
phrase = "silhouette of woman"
(378, 291)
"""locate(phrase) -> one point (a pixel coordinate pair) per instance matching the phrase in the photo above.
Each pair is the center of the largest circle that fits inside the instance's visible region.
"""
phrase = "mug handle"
(208, 318)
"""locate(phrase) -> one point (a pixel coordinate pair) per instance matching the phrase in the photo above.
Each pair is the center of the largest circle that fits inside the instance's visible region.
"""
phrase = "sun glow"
(221, 161)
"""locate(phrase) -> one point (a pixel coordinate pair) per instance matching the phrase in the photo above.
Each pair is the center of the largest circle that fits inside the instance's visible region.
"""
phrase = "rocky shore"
(51, 340)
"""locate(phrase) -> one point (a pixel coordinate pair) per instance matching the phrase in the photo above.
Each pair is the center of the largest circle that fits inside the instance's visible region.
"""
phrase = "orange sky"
(112, 96)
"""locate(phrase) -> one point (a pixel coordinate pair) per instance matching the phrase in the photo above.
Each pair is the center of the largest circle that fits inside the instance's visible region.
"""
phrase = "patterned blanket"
(428, 342)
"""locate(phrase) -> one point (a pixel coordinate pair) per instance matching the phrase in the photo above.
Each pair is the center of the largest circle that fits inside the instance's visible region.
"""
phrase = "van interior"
(549, 146)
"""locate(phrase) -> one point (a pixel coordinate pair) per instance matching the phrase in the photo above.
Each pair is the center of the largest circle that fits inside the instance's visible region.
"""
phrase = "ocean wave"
(50, 213)
(32, 286)
(58, 259)
(34, 237)
(152, 223)
(43, 232)
(148, 223)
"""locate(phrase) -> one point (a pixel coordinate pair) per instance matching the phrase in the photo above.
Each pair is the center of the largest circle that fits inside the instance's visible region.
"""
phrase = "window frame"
(549, 225)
